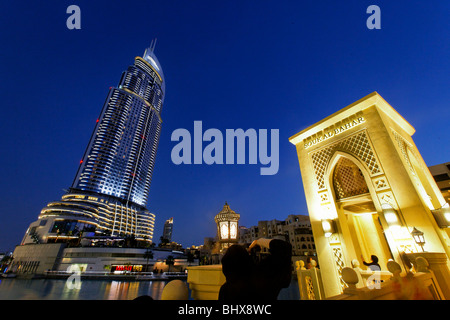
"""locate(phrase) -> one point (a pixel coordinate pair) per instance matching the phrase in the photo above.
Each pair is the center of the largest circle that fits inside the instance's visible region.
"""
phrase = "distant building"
(37, 259)
(296, 229)
(168, 229)
(441, 174)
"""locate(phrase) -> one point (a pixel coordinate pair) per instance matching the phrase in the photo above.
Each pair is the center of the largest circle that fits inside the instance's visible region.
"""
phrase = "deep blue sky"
(232, 64)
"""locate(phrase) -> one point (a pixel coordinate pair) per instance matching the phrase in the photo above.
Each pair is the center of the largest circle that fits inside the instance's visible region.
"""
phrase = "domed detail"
(227, 214)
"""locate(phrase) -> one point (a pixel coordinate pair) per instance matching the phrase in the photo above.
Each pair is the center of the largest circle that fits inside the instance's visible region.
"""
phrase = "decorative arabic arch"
(338, 180)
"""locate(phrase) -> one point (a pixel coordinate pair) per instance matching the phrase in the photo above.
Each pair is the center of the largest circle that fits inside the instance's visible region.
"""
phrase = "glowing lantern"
(227, 226)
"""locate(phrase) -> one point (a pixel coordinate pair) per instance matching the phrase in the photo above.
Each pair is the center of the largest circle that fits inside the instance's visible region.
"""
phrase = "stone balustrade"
(422, 285)
(431, 280)
(205, 281)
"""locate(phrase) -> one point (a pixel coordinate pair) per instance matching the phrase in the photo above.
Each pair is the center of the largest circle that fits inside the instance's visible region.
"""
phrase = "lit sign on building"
(334, 130)
(129, 268)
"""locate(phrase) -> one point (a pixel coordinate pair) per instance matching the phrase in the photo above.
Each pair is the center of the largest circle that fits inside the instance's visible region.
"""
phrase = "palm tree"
(163, 242)
(170, 261)
(148, 255)
(190, 258)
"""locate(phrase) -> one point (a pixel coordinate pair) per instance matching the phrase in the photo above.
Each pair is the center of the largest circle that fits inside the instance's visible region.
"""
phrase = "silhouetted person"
(308, 263)
(144, 298)
(238, 268)
(274, 272)
(373, 265)
(260, 281)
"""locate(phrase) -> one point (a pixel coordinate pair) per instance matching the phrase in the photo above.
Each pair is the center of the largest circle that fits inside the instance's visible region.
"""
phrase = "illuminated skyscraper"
(111, 187)
(168, 230)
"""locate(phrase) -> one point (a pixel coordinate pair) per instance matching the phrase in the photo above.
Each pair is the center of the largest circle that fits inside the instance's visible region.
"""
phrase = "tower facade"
(168, 230)
(112, 184)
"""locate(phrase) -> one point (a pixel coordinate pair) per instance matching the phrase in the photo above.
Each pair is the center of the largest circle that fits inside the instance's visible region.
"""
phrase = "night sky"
(231, 64)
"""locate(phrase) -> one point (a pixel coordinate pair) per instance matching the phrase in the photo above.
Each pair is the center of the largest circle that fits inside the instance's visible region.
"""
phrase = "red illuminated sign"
(130, 268)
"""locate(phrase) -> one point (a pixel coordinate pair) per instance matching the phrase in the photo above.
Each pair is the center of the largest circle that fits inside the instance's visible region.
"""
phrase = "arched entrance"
(356, 208)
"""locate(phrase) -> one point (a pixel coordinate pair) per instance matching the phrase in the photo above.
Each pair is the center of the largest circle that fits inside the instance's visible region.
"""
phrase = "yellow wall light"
(328, 227)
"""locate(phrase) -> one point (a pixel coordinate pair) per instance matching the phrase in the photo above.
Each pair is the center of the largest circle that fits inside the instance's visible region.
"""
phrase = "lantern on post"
(418, 237)
(227, 227)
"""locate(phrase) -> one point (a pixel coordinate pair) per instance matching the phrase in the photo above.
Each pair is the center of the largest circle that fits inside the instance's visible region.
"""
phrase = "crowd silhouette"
(252, 276)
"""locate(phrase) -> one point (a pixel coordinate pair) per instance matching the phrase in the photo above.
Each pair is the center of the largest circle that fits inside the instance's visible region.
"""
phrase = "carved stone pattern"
(386, 198)
(324, 197)
(380, 184)
(357, 145)
(407, 248)
(404, 145)
(310, 288)
(339, 259)
(348, 180)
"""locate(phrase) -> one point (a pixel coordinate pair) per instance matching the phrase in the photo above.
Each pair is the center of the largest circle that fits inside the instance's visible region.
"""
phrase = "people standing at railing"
(309, 264)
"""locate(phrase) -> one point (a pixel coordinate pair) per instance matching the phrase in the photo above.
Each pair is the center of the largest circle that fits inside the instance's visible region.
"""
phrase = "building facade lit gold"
(367, 187)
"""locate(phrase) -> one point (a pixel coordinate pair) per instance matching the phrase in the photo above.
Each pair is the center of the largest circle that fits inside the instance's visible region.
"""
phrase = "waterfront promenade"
(130, 276)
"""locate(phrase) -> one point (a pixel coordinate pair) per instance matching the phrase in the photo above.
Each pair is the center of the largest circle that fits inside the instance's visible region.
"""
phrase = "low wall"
(205, 281)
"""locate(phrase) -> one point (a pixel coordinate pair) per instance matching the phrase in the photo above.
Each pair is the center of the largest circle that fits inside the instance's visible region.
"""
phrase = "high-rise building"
(108, 196)
(441, 174)
(168, 229)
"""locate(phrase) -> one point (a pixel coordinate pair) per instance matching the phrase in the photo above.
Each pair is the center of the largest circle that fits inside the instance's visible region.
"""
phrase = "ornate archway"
(366, 187)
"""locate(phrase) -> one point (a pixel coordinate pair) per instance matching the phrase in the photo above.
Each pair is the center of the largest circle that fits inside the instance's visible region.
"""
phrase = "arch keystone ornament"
(362, 171)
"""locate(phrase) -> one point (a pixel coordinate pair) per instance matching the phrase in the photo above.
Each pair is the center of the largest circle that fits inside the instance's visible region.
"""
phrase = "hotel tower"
(108, 197)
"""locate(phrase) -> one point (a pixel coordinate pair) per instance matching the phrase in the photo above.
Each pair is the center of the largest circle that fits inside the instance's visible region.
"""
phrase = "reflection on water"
(40, 289)
(23, 289)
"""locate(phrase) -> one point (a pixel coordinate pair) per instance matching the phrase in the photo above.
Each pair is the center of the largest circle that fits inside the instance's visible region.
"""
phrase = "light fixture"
(418, 237)
(227, 226)
(390, 215)
(328, 227)
(442, 216)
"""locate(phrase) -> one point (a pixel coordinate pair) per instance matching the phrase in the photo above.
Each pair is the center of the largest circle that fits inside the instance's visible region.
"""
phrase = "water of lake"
(51, 289)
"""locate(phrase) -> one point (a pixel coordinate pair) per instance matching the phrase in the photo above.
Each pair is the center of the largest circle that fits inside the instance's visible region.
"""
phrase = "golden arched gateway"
(366, 188)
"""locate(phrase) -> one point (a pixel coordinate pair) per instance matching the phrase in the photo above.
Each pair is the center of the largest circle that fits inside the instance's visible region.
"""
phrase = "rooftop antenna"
(153, 45)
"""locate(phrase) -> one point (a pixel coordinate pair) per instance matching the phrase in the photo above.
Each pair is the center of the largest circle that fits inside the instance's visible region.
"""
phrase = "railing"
(107, 274)
(421, 285)
(418, 286)
(375, 285)
(310, 284)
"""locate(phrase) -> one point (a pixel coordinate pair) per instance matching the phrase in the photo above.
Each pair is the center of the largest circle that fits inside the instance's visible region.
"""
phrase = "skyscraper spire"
(153, 45)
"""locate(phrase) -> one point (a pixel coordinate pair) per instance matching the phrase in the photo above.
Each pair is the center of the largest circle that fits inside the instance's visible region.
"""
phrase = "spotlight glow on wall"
(391, 216)
(328, 227)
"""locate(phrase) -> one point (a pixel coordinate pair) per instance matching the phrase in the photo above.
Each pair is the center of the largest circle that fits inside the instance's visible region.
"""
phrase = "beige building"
(367, 187)
(295, 229)
(441, 174)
